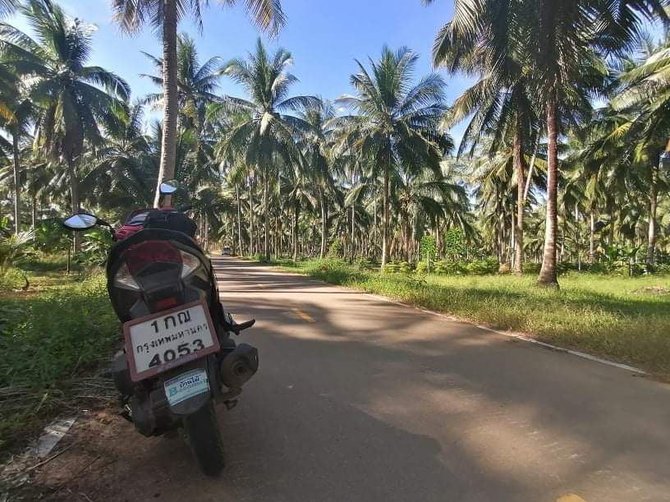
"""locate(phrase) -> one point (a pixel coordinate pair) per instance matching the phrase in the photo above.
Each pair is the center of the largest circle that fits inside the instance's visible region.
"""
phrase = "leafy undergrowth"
(53, 337)
(621, 318)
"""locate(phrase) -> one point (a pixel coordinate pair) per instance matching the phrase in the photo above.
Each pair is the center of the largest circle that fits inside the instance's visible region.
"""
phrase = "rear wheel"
(204, 436)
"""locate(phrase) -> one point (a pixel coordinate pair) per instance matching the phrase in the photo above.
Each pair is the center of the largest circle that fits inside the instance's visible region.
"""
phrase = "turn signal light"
(124, 279)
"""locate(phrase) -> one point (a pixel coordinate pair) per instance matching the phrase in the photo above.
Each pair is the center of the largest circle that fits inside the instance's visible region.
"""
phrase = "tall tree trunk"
(353, 235)
(275, 238)
(592, 237)
(385, 223)
(34, 211)
(17, 183)
(252, 247)
(501, 239)
(74, 200)
(170, 98)
(653, 207)
(513, 236)
(612, 211)
(239, 220)
(531, 168)
(266, 218)
(296, 217)
(375, 230)
(548, 275)
(408, 240)
(324, 227)
(578, 243)
(205, 229)
(520, 202)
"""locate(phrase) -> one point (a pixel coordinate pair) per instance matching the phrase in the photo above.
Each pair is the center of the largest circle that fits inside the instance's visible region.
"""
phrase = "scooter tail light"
(189, 264)
(125, 280)
(149, 252)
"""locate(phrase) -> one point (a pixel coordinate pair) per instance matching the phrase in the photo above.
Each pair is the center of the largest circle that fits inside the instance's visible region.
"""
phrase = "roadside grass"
(53, 338)
(620, 318)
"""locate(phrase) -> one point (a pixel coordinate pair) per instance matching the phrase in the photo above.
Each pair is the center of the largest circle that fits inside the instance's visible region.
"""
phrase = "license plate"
(162, 341)
(186, 385)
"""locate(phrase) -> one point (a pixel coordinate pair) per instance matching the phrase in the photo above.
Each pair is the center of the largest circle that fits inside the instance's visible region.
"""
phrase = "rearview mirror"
(168, 187)
(82, 221)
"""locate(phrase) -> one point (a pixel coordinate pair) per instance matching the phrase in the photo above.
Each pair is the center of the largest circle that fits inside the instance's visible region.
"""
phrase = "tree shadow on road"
(358, 399)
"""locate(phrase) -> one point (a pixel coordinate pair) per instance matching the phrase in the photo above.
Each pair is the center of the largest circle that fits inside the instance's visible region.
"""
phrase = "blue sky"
(324, 37)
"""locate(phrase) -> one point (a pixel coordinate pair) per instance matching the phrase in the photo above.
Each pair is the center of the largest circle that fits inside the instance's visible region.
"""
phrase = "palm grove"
(561, 163)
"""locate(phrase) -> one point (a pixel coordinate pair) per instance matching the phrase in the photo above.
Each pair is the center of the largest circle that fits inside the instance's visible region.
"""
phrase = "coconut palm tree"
(500, 104)
(124, 168)
(570, 37)
(8, 6)
(196, 83)
(396, 126)
(561, 43)
(164, 16)
(21, 111)
(74, 99)
(422, 199)
(645, 97)
(318, 159)
(266, 136)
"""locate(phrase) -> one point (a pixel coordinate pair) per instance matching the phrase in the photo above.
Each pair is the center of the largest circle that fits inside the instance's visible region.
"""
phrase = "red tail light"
(148, 252)
(166, 303)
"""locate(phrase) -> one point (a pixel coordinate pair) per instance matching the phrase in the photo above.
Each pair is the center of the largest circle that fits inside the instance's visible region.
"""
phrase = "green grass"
(621, 318)
(53, 337)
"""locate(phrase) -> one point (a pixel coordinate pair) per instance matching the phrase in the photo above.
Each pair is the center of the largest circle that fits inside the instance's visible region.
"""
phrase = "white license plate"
(163, 341)
(186, 385)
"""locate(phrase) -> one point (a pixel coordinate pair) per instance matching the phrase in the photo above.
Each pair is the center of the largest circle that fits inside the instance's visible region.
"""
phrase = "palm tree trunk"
(520, 201)
(653, 207)
(170, 98)
(375, 226)
(385, 223)
(592, 238)
(548, 275)
(74, 199)
(531, 168)
(296, 217)
(34, 211)
(501, 239)
(239, 220)
(17, 183)
(205, 230)
(610, 230)
(266, 218)
(578, 239)
(512, 234)
(276, 251)
(324, 229)
(353, 229)
(252, 248)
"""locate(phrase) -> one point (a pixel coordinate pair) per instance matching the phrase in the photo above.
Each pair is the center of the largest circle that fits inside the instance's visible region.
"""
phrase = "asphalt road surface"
(360, 399)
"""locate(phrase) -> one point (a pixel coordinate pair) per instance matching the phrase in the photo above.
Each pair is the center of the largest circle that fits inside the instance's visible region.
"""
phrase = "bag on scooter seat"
(171, 220)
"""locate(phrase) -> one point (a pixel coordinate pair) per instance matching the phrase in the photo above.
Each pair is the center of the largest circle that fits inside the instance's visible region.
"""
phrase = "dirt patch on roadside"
(93, 461)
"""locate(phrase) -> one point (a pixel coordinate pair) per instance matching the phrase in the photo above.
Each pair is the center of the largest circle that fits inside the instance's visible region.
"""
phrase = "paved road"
(359, 399)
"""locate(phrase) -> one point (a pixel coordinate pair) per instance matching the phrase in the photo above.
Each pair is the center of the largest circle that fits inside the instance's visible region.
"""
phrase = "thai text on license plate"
(168, 339)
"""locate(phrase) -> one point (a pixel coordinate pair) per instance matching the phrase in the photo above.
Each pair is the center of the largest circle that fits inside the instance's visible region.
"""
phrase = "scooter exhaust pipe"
(239, 366)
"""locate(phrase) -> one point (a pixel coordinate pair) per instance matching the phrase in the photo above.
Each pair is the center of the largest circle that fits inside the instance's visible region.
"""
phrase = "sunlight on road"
(303, 315)
(570, 498)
